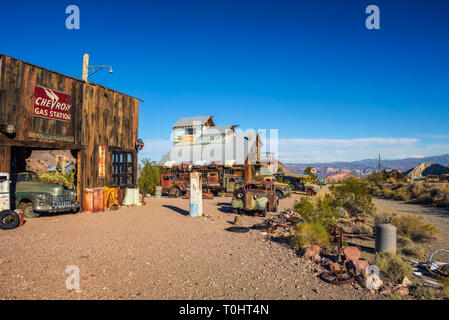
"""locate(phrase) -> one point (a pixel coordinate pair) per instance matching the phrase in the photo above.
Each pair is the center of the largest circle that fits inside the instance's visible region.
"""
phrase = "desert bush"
(414, 227)
(353, 195)
(309, 233)
(388, 193)
(362, 228)
(321, 210)
(392, 267)
(150, 177)
(445, 287)
(417, 189)
(413, 251)
(66, 180)
(425, 198)
(375, 177)
(402, 194)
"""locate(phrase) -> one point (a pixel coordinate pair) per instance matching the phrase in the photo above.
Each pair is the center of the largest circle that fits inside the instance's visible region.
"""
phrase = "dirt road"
(156, 252)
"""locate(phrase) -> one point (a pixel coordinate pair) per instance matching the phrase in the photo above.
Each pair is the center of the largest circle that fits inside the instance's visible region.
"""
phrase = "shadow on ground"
(177, 210)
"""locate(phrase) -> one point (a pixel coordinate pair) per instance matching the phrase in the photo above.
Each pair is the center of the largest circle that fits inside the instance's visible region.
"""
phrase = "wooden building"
(43, 109)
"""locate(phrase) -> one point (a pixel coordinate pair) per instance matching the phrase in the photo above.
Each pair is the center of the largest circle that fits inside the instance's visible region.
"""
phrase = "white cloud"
(328, 150)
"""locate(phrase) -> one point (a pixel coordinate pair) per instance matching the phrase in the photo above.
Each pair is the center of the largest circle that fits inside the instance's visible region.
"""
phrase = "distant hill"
(365, 167)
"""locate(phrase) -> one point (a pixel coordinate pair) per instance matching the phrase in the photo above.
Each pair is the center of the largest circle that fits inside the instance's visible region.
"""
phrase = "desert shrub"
(388, 193)
(425, 198)
(392, 267)
(309, 233)
(321, 210)
(414, 227)
(375, 177)
(353, 195)
(426, 293)
(417, 189)
(150, 177)
(445, 287)
(66, 180)
(413, 251)
(402, 194)
(362, 228)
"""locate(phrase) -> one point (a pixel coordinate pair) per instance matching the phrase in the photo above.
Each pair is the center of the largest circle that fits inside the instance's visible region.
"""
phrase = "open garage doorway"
(44, 181)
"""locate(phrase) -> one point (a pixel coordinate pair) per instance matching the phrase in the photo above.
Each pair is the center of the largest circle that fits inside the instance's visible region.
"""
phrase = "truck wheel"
(310, 192)
(263, 213)
(27, 209)
(9, 220)
(280, 194)
(276, 206)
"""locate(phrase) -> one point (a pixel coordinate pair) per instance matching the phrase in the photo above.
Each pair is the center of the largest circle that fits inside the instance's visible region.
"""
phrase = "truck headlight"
(42, 196)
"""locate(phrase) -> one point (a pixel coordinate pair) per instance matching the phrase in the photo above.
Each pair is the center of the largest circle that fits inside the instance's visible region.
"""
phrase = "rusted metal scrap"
(338, 277)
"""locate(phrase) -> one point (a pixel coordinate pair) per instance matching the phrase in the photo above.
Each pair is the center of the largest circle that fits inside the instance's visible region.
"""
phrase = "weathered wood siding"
(100, 117)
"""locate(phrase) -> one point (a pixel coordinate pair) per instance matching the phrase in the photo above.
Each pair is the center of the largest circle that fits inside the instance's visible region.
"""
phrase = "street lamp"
(91, 70)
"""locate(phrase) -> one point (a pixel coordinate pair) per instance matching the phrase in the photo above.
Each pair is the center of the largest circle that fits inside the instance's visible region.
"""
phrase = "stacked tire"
(9, 219)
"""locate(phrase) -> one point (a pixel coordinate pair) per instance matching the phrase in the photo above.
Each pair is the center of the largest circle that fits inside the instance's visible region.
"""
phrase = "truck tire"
(263, 213)
(276, 206)
(27, 209)
(9, 220)
(280, 194)
(310, 192)
(175, 192)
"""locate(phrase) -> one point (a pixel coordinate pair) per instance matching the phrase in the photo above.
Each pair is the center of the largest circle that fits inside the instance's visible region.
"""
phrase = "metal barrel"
(158, 192)
(386, 237)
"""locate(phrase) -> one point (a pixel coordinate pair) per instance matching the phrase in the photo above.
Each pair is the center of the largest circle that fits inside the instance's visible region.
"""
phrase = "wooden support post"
(196, 195)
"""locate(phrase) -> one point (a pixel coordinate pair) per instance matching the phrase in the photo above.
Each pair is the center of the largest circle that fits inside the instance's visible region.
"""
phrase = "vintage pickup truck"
(256, 196)
(35, 197)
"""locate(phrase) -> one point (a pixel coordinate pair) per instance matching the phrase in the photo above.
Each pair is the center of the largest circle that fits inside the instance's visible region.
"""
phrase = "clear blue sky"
(311, 69)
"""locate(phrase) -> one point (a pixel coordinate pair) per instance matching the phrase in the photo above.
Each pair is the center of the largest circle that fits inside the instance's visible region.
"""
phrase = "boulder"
(386, 290)
(403, 291)
(352, 253)
(358, 267)
(406, 282)
(311, 251)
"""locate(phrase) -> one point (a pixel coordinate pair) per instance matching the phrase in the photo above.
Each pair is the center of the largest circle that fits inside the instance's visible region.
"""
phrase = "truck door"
(4, 192)
(165, 182)
(230, 184)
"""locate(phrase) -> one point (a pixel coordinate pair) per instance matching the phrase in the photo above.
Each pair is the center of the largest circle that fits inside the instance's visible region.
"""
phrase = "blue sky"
(311, 69)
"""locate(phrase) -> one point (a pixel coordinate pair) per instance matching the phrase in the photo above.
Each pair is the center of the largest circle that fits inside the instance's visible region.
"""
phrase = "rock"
(403, 291)
(358, 267)
(406, 282)
(342, 212)
(352, 253)
(311, 251)
(316, 257)
(386, 290)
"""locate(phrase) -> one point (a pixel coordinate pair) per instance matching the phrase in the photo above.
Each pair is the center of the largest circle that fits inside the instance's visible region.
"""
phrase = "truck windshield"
(28, 177)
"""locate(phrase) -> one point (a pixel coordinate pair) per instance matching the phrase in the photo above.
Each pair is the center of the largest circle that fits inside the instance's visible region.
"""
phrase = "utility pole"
(93, 69)
(380, 167)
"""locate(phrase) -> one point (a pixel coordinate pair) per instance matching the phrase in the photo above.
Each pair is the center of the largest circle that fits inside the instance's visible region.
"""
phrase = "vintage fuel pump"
(9, 219)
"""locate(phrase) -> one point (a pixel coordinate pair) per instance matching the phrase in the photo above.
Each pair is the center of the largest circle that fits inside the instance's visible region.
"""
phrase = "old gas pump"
(9, 219)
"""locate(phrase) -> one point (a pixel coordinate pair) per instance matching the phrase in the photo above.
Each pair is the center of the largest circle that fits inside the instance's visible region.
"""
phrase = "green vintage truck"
(34, 197)
(256, 196)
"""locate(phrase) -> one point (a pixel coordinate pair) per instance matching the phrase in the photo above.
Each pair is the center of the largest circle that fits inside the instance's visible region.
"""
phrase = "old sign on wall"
(101, 161)
(52, 104)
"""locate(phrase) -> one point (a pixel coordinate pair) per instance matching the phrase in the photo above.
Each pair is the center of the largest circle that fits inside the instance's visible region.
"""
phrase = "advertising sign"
(52, 104)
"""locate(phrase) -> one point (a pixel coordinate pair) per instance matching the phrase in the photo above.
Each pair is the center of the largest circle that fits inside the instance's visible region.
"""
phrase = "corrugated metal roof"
(188, 122)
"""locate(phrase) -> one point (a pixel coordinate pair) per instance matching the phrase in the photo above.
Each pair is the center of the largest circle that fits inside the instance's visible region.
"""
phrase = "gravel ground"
(157, 251)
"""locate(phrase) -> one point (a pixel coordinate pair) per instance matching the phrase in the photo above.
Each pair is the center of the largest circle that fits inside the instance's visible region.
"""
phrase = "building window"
(190, 131)
(123, 169)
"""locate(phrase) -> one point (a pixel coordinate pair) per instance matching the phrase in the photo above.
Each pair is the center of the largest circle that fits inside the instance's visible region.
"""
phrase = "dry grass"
(392, 267)
(402, 194)
(362, 228)
(388, 193)
(414, 227)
